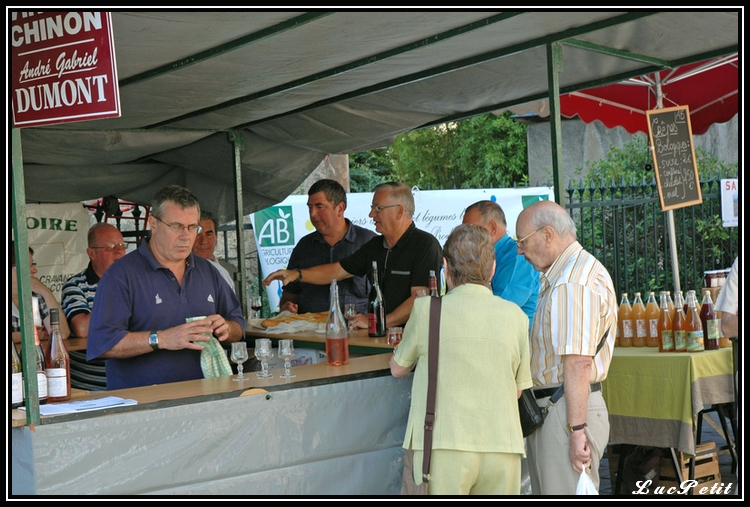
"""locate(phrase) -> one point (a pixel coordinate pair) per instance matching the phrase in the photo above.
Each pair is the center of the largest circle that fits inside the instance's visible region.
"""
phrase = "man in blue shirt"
(142, 301)
(335, 237)
(515, 279)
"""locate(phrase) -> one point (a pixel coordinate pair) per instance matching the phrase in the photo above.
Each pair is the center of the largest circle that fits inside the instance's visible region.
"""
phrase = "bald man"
(514, 279)
(106, 245)
(576, 308)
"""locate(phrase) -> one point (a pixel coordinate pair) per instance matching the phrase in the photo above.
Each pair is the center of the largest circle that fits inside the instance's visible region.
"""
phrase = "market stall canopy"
(299, 86)
(710, 89)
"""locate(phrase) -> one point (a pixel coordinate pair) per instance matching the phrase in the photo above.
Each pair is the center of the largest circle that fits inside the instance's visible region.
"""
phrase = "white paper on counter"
(83, 405)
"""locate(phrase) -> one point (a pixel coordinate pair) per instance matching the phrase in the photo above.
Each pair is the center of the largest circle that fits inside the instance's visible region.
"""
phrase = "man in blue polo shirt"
(515, 279)
(404, 255)
(335, 237)
(142, 301)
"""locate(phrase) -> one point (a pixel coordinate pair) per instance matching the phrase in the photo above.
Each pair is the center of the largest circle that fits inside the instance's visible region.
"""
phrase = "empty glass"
(264, 352)
(239, 356)
(350, 312)
(286, 352)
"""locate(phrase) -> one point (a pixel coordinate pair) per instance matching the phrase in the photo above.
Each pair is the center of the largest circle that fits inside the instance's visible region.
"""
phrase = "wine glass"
(350, 312)
(239, 356)
(286, 352)
(256, 304)
(263, 352)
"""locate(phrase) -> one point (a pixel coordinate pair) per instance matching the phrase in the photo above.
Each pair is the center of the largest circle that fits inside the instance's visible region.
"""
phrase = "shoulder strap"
(560, 390)
(432, 363)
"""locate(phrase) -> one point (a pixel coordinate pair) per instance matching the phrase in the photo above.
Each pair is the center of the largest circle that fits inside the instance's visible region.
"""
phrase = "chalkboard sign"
(671, 140)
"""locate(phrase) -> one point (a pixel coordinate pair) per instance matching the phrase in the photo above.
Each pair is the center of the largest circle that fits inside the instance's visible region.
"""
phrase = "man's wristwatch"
(299, 272)
(153, 340)
(571, 428)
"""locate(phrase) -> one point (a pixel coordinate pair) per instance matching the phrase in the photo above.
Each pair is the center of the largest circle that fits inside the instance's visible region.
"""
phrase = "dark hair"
(488, 210)
(13, 253)
(207, 215)
(176, 194)
(335, 193)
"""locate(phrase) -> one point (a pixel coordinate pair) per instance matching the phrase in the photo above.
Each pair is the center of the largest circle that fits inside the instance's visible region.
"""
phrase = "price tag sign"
(671, 139)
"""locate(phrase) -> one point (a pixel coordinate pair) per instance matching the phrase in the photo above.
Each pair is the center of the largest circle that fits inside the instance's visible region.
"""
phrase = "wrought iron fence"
(624, 227)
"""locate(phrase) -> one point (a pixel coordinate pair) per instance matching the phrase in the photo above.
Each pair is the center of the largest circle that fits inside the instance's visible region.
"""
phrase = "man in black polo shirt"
(405, 256)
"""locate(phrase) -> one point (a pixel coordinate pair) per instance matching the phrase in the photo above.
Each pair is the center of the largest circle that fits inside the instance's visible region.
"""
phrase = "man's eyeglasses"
(192, 228)
(519, 242)
(111, 247)
(378, 209)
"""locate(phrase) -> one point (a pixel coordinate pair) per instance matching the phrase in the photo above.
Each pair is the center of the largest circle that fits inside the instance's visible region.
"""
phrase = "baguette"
(317, 318)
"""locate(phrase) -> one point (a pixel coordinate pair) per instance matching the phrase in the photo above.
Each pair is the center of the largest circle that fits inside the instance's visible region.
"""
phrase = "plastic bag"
(586, 485)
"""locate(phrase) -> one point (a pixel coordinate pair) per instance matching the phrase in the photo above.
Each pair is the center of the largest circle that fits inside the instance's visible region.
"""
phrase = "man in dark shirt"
(335, 238)
(404, 255)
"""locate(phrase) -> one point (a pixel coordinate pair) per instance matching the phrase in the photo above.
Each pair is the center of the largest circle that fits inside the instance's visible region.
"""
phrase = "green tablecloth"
(653, 398)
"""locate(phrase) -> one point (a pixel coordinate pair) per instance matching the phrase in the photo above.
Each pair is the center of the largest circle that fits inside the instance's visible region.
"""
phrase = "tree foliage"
(480, 152)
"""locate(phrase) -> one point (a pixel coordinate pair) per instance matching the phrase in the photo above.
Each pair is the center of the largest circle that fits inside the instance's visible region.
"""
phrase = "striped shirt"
(78, 293)
(576, 306)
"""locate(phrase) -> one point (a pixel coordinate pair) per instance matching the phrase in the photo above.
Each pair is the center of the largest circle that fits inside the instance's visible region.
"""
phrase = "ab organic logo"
(275, 226)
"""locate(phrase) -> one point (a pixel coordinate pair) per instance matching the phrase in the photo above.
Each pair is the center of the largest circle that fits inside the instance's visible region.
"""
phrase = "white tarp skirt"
(336, 439)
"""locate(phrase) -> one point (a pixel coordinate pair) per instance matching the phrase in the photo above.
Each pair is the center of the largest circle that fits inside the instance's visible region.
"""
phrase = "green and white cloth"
(214, 362)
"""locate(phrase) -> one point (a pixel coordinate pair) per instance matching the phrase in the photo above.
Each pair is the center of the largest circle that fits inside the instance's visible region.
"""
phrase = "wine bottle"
(375, 306)
(16, 371)
(58, 362)
(41, 374)
(337, 336)
(710, 322)
(433, 284)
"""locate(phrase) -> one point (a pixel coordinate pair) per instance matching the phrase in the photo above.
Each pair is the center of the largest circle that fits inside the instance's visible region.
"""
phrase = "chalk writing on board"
(674, 157)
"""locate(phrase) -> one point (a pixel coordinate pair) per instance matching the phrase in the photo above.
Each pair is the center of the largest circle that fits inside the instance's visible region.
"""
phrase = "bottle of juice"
(679, 322)
(710, 322)
(666, 337)
(625, 321)
(652, 321)
(694, 328)
(639, 321)
(670, 304)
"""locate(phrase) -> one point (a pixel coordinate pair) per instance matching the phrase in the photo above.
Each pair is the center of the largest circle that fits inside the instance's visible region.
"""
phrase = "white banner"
(278, 228)
(730, 189)
(57, 234)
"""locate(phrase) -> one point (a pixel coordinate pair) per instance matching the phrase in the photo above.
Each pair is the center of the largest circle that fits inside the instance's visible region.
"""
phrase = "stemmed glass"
(239, 356)
(350, 312)
(256, 304)
(263, 352)
(286, 352)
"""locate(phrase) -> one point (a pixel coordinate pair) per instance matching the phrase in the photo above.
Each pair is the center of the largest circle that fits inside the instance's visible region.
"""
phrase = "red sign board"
(62, 67)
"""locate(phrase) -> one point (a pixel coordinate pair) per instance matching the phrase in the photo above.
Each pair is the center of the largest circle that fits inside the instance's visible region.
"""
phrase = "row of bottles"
(52, 368)
(677, 326)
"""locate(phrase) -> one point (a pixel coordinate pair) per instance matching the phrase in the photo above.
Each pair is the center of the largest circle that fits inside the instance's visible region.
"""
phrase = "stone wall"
(583, 142)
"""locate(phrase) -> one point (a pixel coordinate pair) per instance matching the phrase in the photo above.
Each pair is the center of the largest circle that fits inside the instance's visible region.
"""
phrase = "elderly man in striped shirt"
(575, 310)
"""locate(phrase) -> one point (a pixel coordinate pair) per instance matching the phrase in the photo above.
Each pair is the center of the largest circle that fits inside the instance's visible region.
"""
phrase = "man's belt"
(543, 393)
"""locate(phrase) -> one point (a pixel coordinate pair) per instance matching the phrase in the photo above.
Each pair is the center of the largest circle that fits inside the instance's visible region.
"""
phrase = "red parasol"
(708, 88)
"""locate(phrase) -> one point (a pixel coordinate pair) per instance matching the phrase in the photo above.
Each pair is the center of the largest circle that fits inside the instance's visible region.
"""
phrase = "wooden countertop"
(195, 391)
(357, 339)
